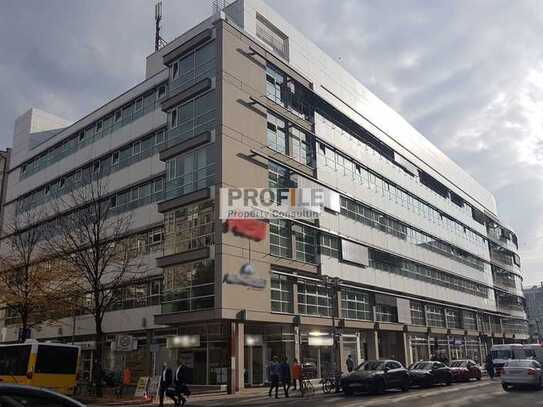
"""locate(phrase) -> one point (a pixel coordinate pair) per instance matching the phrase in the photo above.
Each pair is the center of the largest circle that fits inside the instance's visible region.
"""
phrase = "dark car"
(465, 370)
(428, 373)
(375, 376)
(15, 395)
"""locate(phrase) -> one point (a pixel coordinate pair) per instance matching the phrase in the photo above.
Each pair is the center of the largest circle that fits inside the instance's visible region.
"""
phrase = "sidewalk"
(245, 393)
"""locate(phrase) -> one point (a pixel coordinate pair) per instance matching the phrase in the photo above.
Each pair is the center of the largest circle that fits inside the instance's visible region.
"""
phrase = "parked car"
(428, 373)
(465, 370)
(521, 372)
(376, 376)
(15, 395)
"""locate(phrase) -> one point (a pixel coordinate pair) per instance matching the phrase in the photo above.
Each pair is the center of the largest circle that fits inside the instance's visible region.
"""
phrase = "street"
(485, 393)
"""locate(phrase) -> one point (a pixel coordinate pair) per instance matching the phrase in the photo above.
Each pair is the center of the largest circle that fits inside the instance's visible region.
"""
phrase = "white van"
(502, 353)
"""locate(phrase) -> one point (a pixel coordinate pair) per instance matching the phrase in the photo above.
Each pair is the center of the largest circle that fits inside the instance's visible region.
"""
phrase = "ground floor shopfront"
(238, 354)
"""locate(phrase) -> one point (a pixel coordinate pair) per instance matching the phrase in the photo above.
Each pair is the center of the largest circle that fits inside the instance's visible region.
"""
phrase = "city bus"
(41, 364)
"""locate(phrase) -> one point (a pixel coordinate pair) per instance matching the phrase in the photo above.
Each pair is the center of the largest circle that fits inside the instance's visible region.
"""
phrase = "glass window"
(453, 318)
(329, 245)
(188, 287)
(435, 316)
(313, 299)
(276, 131)
(417, 313)
(281, 293)
(356, 304)
(280, 238)
(305, 240)
(190, 227)
(386, 313)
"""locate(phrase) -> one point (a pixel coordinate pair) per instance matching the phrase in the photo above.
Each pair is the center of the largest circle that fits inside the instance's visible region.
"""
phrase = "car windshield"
(519, 363)
(372, 365)
(459, 363)
(422, 366)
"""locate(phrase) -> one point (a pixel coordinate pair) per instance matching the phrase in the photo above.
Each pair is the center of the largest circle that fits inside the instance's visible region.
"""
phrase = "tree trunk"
(24, 327)
(98, 356)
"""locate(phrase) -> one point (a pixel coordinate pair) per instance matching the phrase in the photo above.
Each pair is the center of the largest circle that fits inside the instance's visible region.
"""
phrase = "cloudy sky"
(467, 74)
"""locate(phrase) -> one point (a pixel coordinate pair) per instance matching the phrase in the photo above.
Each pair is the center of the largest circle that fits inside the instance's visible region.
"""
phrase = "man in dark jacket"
(166, 381)
(285, 375)
(274, 374)
(180, 383)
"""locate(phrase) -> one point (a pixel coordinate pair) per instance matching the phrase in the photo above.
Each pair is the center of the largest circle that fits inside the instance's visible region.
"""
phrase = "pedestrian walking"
(489, 366)
(350, 363)
(274, 373)
(296, 374)
(165, 385)
(285, 375)
(180, 384)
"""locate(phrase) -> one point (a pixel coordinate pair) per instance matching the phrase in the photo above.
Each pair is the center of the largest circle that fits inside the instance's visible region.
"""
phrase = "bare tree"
(30, 288)
(90, 236)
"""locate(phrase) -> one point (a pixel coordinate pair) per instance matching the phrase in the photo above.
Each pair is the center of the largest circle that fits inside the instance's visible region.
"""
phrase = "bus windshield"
(14, 360)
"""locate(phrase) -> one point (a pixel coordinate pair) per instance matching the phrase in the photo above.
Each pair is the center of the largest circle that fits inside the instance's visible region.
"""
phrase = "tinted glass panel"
(14, 360)
(56, 359)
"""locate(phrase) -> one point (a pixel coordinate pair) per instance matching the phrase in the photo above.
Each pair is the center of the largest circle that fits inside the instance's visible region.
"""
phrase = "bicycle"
(306, 387)
(330, 383)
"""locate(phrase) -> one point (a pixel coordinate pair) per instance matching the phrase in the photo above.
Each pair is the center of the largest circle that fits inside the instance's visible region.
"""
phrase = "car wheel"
(506, 387)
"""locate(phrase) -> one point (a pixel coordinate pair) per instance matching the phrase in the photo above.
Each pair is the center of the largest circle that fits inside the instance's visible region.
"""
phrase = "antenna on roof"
(159, 41)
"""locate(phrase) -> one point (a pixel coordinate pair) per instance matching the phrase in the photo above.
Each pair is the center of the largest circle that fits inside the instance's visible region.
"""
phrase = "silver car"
(521, 372)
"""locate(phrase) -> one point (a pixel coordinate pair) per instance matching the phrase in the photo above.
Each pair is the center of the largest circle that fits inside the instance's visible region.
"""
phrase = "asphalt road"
(480, 394)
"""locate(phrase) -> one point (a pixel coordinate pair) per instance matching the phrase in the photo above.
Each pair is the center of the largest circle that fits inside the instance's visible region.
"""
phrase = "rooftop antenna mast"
(159, 41)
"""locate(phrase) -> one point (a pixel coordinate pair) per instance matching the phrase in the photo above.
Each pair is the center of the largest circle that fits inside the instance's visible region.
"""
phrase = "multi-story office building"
(534, 309)
(418, 262)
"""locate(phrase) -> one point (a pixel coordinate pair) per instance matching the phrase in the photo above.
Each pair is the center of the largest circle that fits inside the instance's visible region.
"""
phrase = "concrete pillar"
(237, 357)
(373, 345)
(240, 356)
(342, 356)
(405, 353)
(449, 355)
(297, 345)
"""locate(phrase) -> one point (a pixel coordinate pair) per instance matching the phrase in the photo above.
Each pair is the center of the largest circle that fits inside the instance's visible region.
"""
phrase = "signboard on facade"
(320, 341)
(183, 341)
(124, 343)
